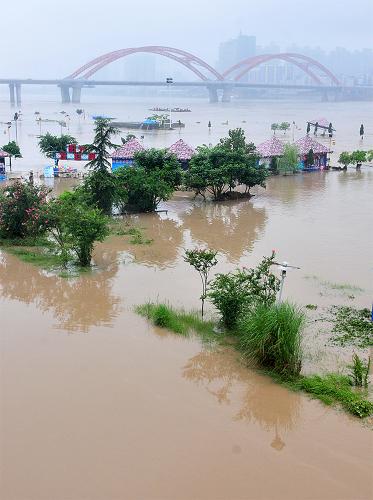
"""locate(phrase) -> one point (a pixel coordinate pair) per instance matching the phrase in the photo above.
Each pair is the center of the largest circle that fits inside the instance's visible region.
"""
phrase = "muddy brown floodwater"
(97, 404)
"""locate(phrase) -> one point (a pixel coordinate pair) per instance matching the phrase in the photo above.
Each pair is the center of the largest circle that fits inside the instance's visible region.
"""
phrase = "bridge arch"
(199, 67)
(305, 63)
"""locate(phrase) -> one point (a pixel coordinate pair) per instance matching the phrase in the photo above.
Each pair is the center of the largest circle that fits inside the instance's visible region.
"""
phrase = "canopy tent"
(271, 148)
(124, 155)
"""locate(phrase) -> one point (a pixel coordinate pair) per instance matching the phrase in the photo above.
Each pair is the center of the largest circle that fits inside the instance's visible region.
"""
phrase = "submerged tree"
(13, 150)
(289, 160)
(153, 178)
(50, 144)
(344, 159)
(100, 183)
(202, 260)
(219, 169)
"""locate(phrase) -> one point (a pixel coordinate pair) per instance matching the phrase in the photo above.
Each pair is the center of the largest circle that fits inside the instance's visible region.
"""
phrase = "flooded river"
(97, 404)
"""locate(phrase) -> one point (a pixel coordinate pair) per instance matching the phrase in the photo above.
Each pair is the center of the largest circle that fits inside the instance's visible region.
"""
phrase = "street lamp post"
(284, 266)
(169, 82)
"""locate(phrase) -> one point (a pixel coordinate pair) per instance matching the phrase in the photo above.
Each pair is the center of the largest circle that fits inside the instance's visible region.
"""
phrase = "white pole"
(283, 276)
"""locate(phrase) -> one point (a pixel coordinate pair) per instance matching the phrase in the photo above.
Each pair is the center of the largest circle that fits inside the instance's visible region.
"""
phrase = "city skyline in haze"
(49, 38)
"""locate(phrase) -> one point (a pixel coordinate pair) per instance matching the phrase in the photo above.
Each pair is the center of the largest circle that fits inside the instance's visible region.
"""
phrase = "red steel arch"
(305, 63)
(199, 67)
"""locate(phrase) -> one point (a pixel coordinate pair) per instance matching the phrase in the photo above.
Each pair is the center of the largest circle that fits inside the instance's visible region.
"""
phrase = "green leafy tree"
(358, 157)
(50, 144)
(13, 150)
(370, 155)
(345, 159)
(128, 137)
(274, 127)
(202, 260)
(76, 226)
(219, 169)
(284, 126)
(212, 170)
(232, 293)
(23, 210)
(153, 178)
(100, 183)
(289, 160)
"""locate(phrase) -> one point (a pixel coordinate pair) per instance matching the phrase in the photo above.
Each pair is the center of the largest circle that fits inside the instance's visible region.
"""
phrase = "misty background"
(50, 38)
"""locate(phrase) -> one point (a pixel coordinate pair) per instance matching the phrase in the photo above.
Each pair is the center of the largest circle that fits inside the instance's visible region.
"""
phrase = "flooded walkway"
(97, 404)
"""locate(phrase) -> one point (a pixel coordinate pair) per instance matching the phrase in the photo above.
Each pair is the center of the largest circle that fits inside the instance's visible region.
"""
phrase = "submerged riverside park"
(93, 393)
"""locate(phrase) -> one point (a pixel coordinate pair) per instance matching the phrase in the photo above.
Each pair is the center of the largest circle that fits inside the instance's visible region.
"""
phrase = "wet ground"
(97, 404)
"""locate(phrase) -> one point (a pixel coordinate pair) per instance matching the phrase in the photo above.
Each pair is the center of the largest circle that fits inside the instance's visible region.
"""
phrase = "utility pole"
(169, 82)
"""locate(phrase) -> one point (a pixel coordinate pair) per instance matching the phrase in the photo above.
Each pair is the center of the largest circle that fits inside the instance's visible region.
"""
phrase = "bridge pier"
(12, 94)
(18, 94)
(227, 94)
(213, 94)
(65, 94)
(76, 94)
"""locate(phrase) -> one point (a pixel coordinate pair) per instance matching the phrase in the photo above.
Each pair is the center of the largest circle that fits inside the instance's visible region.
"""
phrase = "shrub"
(153, 178)
(23, 210)
(271, 335)
(76, 226)
(236, 291)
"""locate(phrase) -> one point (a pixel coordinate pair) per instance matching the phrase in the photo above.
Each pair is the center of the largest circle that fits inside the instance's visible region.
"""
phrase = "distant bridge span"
(199, 67)
(305, 63)
(207, 76)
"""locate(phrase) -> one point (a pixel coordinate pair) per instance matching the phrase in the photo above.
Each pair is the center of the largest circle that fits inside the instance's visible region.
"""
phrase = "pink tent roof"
(182, 150)
(307, 143)
(321, 121)
(3, 154)
(270, 148)
(128, 150)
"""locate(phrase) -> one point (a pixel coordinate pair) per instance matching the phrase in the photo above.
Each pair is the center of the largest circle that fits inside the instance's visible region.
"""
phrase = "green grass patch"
(136, 233)
(334, 389)
(180, 322)
(35, 241)
(351, 326)
(331, 389)
(41, 258)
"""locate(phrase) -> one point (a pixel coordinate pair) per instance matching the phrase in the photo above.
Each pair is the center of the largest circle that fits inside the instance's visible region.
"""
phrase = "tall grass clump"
(271, 336)
(180, 322)
(359, 371)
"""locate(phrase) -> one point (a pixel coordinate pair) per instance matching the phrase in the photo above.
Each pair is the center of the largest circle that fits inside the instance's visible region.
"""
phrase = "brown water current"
(97, 404)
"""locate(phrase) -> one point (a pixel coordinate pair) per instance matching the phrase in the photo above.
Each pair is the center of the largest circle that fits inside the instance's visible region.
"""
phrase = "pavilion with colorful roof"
(123, 156)
(183, 152)
(272, 148)
(320, 152)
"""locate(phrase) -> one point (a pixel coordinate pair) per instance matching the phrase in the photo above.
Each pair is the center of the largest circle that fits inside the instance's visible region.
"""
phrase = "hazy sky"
(51, 38)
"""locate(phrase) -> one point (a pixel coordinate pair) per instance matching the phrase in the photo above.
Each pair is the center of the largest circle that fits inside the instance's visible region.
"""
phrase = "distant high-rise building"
(235, 50)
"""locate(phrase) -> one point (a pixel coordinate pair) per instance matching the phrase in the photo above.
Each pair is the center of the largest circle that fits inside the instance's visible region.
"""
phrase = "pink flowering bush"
(23, 210)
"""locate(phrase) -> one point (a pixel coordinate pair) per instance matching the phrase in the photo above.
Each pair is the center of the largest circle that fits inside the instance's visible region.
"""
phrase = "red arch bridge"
(321, 78)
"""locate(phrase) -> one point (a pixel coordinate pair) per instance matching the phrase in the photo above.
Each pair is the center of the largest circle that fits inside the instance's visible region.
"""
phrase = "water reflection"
(166, 236)
(77, 304)
(231, 227)
(220, 372)
(295, 188)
